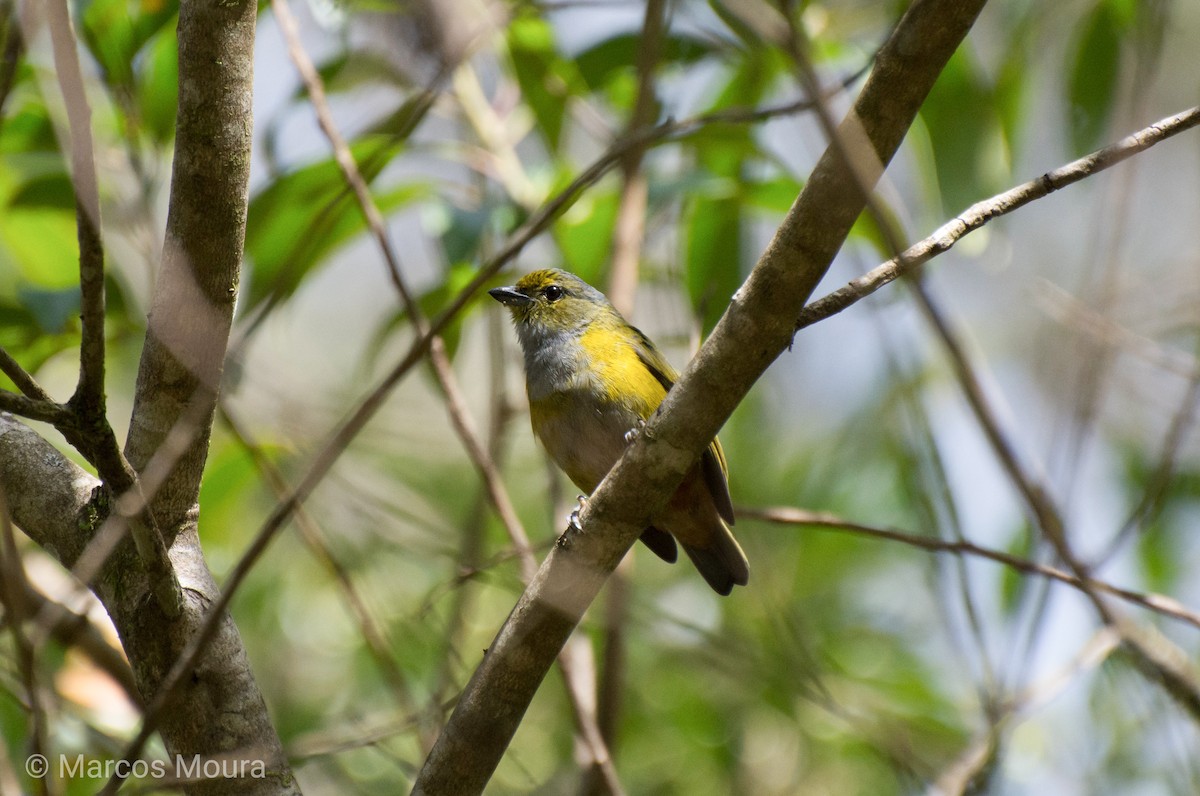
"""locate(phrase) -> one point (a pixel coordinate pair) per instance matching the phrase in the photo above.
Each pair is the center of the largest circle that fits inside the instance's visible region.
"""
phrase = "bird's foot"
(632, 433)
(573, 520)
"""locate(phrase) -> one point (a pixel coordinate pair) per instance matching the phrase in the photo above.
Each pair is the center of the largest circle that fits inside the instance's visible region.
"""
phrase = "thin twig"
(36, 409)
(21, 378)
(90, 392)
(980, 213)
(1158, 603)
(1155, 492)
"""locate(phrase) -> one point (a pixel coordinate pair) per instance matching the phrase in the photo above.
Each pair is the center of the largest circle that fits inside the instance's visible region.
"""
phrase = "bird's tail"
(722, 563)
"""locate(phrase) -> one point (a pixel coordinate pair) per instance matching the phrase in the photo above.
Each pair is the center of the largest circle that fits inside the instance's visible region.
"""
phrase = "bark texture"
(218, 713)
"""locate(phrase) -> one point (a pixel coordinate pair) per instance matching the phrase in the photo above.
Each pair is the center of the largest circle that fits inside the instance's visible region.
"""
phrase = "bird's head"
(552, 301)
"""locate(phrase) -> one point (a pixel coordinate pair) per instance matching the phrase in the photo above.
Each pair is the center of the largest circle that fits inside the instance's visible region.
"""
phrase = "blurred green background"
(850, 664)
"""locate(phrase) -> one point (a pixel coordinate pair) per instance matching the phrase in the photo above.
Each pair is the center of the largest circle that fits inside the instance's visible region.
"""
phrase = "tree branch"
(1158, 603)
(980, 213)
(220, 712)
(754, 331)
(89, 394)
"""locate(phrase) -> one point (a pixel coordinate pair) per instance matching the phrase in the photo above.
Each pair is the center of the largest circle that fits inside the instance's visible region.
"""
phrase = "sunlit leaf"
(301, 217)
(40, 241)
(547, 80)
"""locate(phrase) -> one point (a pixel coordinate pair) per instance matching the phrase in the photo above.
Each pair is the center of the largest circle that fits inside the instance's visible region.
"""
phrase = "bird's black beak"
(509, 296)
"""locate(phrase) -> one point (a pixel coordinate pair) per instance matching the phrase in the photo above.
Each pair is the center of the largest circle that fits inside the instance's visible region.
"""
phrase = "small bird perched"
(592, 378)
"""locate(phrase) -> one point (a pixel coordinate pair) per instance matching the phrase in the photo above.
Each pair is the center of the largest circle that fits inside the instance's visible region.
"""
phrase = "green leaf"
(301, 217)
(584, 233)
(599, 63)
(460, 240)
(713, 256)
(49, 190)
(775, 195)
(158, 86)
(28, 130)
(38, 238)
(1094, 70)
(116, 30)
(547, 80)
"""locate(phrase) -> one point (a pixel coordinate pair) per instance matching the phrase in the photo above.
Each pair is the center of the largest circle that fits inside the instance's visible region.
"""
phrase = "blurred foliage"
(850, 664)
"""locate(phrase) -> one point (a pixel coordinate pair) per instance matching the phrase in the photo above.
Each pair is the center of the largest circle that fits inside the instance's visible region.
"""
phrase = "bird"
(593, 380)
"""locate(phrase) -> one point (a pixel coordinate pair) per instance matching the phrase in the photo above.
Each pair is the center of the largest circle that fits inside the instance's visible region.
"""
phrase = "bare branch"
(221, 709)
(89, 395)
(1002, 204)
(1158, 603)
(25, 382)
(36, 409)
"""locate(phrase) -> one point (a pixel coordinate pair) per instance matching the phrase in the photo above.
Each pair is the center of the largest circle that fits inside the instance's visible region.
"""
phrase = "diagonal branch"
(90, 430)
(89, 394)
(756, 328)
(20, 377)
(980, 213)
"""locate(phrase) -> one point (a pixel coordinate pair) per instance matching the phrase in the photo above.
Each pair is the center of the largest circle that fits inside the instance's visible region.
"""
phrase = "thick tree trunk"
(218, 713)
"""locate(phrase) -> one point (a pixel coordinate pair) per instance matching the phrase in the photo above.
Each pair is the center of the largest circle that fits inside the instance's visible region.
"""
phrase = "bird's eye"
(553, 293)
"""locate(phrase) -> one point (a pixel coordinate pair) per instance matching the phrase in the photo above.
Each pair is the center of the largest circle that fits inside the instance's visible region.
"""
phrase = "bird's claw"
(573, 520)
(632, 433)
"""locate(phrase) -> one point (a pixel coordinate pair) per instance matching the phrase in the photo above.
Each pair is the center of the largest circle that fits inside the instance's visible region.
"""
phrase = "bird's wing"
(712, 461)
